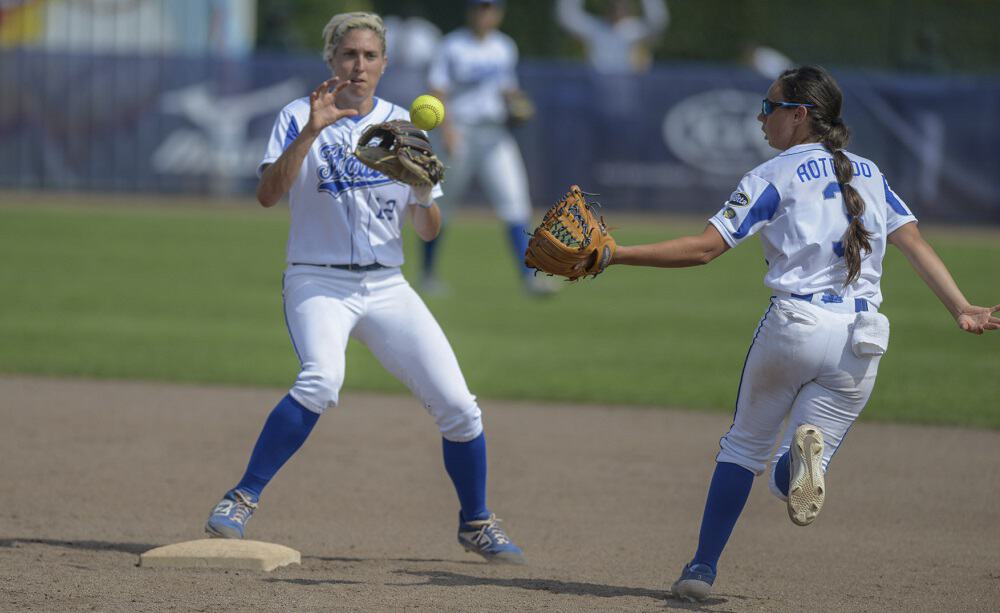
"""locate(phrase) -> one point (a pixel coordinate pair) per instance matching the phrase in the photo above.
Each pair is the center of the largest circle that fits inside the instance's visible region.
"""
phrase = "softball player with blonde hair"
(343, 280)
(825, 217)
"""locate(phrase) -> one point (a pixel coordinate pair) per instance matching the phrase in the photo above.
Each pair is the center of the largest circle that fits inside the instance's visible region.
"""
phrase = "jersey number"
(830, 193)
(386, 210)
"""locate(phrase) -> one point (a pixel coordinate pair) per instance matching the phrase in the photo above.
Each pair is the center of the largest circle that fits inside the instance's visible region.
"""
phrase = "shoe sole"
(504, 557)
(691, 590)
(217, 534)
(806, 488)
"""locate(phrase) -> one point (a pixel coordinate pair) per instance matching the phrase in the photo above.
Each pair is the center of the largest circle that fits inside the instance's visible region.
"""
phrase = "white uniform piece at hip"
(325, 307)
(489, 153)
(801, 367)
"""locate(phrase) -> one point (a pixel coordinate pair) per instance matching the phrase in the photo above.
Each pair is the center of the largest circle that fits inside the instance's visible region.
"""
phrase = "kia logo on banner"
(717, 131)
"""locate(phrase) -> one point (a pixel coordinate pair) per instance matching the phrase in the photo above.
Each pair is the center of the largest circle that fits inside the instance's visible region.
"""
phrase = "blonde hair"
(340, 25)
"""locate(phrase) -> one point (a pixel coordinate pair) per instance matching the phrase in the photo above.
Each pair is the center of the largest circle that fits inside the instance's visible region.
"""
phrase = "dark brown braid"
(814, 85)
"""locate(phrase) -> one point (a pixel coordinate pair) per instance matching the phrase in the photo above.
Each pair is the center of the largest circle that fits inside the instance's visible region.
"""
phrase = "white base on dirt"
(221, 553)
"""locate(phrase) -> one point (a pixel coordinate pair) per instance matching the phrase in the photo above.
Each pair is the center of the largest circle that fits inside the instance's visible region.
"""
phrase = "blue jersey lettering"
(813, 169)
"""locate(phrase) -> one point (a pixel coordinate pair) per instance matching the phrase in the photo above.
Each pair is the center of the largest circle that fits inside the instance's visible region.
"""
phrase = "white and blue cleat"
(229, 518)
(486, 538)
(695, 583)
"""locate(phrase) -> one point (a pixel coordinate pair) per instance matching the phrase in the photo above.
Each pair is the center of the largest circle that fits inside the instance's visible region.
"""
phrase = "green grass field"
(183, 294)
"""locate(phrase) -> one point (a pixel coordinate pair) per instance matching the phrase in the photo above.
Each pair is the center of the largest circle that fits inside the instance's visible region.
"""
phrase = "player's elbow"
(708, 246)
(700, 258)
(703, 258)
(269, 191)
(265, 197)
(707, 254)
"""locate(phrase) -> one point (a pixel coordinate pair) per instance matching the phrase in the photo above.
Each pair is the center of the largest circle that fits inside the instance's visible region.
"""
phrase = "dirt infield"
(606, 503)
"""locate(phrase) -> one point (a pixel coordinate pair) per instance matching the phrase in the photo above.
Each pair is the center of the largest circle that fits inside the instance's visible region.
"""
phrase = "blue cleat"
(695, 583)
(229, 518)
(487, 538)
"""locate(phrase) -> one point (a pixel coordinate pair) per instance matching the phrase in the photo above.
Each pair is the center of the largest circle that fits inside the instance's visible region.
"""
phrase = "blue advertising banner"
(680, 137)
(675, 139)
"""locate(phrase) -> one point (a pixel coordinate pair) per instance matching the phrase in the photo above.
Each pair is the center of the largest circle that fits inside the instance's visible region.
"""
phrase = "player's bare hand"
(323, 109)
(976, 319)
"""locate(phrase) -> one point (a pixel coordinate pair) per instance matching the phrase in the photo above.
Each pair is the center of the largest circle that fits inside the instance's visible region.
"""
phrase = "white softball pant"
(490, 153)
(800, 367)
(324, 307)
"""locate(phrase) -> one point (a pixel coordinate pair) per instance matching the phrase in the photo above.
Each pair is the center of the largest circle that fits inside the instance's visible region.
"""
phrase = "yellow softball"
(426, 112)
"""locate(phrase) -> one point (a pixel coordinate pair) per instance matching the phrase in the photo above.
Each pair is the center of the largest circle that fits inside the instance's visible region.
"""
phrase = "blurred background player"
(473, 74)
(826, 218)
(411, 41)
(619, 41)
(766, 61)
(343, 281)
(618, 46)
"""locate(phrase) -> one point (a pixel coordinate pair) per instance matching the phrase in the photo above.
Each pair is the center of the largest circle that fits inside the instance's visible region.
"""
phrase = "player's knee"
(318, 389)
(750, 458)
(461, 423)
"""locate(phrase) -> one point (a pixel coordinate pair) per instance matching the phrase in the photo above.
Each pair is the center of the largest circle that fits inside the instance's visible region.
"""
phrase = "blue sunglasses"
(767, 107)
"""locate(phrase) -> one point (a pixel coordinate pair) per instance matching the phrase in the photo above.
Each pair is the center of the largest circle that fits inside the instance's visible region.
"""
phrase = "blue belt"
(353, 267)
(860, 304)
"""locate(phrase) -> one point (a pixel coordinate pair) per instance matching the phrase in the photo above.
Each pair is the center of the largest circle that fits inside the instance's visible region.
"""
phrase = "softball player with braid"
(825, 217)
(343, 280)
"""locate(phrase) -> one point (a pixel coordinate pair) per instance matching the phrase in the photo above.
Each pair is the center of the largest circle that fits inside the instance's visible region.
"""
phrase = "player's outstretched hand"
(976, 319)
(323, 110)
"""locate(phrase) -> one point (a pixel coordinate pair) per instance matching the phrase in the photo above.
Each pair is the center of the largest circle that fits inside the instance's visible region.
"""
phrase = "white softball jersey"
(342, 212)
(475, 73)
(794, 203)
(815, 354)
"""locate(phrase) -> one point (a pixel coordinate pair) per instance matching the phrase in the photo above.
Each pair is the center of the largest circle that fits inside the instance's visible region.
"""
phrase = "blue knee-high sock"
(726, 497)
(518, 235)
(466, 465)
(430, 253)
(286, 428)
(781, 476)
